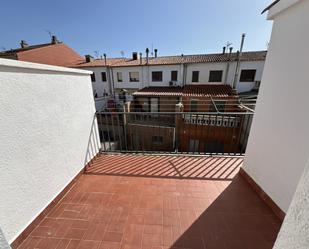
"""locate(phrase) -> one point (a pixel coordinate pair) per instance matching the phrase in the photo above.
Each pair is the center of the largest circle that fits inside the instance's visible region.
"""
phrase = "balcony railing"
(174, 132)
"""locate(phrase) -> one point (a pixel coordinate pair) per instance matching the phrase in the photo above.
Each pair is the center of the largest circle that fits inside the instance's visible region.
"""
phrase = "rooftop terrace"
(158, 202)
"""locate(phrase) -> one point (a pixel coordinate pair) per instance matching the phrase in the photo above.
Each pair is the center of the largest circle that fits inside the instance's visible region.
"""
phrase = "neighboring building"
(54, 53)
(156, 130)
(114, 80)
(127, 75)
(102, 83)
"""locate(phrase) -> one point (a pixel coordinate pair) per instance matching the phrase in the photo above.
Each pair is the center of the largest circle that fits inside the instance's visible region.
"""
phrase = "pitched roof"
(270, 6)
(100, 62)
(205, 90)
(52, 54)
(197, 58)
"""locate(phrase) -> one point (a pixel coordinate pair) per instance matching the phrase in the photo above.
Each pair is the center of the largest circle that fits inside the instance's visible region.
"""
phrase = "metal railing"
(174, 132)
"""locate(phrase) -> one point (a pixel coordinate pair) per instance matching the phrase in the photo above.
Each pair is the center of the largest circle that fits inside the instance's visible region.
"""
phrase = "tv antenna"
(122, 53)
(228, 44)
(96, 54)
(49, 33)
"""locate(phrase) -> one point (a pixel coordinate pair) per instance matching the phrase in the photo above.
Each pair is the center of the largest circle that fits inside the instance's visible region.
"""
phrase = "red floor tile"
(188, 202)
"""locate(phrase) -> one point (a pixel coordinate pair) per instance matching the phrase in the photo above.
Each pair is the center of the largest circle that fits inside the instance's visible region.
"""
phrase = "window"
(247, 75)
(157, 140)
(220, 106)
(157, 76)
(103, 76)
(215, 76)
(92, 77)
(134, 76)
(174, 75)
(119, 76)
(195, 75)
(193, 105)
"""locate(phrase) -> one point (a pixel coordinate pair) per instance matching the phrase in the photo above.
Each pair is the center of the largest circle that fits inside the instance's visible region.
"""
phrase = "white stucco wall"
(46, 116)
(126, 78)
(100, 87)
(279, 140)
(294, 232)
(205, 68)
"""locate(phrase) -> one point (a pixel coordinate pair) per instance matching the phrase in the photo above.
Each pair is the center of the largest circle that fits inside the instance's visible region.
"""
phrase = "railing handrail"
(181, 113)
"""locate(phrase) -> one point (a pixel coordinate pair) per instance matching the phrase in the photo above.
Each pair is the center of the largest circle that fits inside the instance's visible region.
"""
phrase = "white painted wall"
(100, 87)
(294, 232)
(278, 144)
(205, 68)
(126, 84)
(46, 116)
(166, 70)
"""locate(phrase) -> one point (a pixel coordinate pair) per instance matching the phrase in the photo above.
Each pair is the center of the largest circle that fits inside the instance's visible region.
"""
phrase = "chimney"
(105, 62)
(54, 40)
(156, 52)
(134, 56)
(141, 58)
(231, 49)
(147, 55)
(223, 51)
(23, 44)
(88, 58)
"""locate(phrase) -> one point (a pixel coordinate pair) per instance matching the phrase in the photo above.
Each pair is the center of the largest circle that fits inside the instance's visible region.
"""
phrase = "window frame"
(211, 76)
(119, 79)
(246, 79)
(136, 79)
(160, 74)
(195, 76)
(176, 73)
(103, 76)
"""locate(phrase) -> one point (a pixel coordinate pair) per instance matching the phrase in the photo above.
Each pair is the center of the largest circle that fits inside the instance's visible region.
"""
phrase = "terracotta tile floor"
(129, 212)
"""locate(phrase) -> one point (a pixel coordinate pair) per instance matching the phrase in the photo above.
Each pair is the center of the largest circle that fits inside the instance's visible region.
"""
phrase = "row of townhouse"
(121, 77)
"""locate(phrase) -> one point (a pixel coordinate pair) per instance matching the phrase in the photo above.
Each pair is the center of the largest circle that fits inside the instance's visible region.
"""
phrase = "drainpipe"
(228, 65)
(108, 75)
(147, 61)
(239, 53)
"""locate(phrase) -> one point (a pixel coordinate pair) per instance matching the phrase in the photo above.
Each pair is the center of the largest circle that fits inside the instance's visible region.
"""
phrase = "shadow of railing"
(237, 218)
(94, 144)
(166, 166)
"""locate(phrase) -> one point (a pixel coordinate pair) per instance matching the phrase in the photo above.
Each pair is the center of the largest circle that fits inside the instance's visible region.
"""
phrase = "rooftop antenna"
(96, 54)
(151, 50)
(228, 44)
(49, 33)
(122, 53)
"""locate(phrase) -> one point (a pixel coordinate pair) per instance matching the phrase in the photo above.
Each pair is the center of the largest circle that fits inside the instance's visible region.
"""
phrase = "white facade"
(278, 144)
(228, 73)
(46, 116)
(100, 88)
(184, 76)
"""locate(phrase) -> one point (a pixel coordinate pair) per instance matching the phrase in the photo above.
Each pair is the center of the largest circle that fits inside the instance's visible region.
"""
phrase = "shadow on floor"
(236, 219)
(186, 167)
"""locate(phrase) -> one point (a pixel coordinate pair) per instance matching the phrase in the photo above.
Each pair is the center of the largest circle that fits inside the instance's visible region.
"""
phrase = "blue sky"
(171, 26)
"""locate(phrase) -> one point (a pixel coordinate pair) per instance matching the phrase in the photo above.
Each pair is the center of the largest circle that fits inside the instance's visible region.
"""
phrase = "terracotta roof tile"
(206, 90)
(51, 54)
(100, 62)
(198, 58)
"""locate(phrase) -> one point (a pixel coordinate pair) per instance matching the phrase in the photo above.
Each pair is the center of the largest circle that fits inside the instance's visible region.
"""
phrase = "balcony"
(138, 201)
